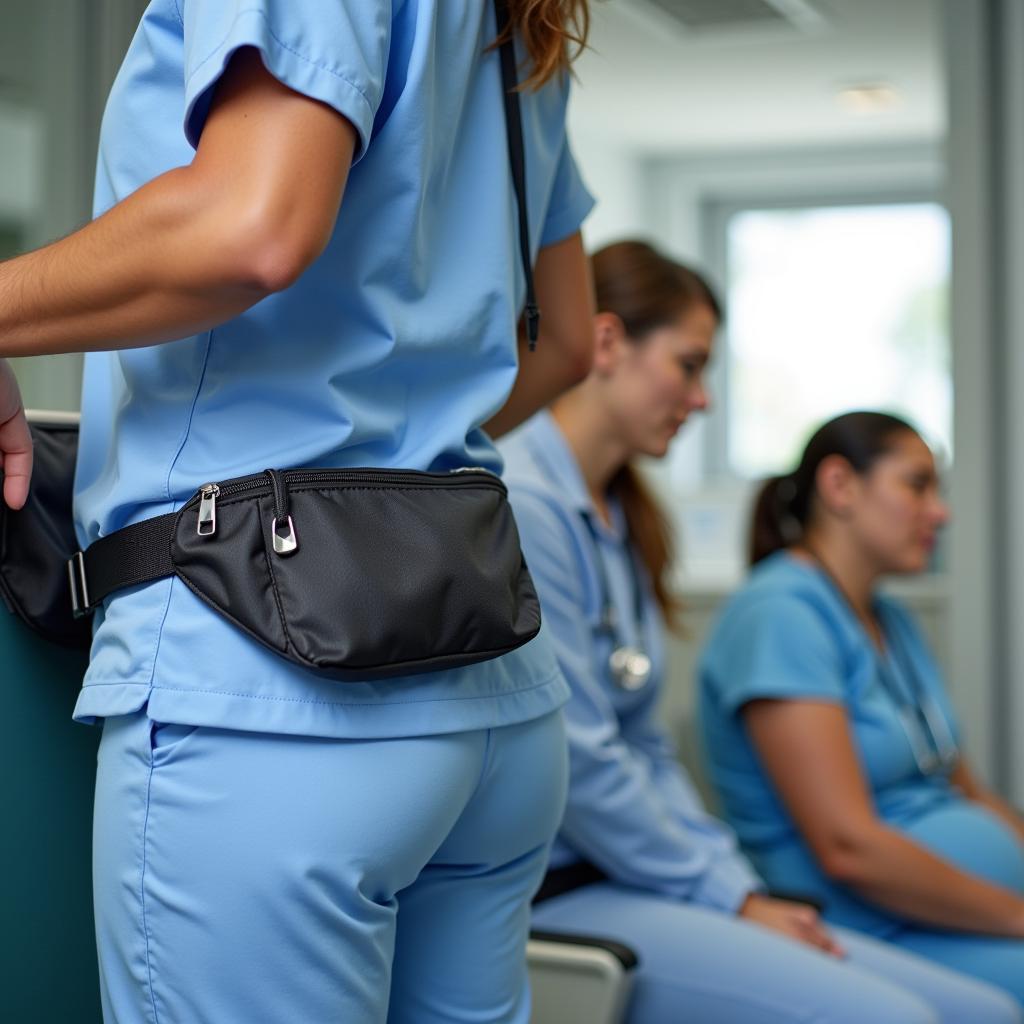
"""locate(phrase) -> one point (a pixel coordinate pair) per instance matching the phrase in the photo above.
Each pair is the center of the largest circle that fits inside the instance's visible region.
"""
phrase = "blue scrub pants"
(252, 878)
(705, 967)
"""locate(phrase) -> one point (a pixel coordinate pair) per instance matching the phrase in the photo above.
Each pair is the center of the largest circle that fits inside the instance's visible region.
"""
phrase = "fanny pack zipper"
(278, 482)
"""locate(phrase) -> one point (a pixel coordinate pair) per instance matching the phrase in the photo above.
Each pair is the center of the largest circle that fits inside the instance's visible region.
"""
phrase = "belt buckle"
(80, 605)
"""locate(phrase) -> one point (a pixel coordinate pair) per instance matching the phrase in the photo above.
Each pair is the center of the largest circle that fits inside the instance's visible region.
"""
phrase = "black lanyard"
(918, 712)
(517, 158)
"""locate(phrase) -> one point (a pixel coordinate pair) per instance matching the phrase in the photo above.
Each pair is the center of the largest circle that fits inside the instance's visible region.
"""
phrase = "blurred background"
(849, 174)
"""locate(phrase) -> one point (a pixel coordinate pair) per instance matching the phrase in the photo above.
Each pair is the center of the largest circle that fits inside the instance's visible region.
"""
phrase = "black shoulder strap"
(516, 155)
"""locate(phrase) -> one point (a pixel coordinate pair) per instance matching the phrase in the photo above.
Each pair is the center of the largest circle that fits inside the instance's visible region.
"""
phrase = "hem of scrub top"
(300, 716)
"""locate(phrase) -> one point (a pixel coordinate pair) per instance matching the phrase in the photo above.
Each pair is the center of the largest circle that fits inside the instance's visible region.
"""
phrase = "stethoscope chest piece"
(630, 667)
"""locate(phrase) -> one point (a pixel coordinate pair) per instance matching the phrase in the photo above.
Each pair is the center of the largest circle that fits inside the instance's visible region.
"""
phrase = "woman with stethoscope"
(638, 858)
(829, 734)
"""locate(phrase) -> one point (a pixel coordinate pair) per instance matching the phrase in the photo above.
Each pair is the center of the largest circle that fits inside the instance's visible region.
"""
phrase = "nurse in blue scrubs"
(828, 731)
(306, 253)
(638, 858)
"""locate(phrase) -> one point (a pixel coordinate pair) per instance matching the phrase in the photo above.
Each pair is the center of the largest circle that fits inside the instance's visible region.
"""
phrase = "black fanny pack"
(358, 573)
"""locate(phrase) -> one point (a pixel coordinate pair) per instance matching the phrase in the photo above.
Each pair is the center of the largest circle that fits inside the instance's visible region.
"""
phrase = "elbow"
(236, 239)
(273, 266)
(269, 258)
(264, 246)
(846, 859)
(841, 865)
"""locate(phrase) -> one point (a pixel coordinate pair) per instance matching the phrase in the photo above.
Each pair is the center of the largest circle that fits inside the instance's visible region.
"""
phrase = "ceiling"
(745, 80)
(741, 74)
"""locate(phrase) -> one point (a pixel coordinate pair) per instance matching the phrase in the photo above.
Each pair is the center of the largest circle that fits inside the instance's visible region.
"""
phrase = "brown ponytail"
(554, 33)
(647, 290)
(651, 534)
(785, 503)
(774, 526)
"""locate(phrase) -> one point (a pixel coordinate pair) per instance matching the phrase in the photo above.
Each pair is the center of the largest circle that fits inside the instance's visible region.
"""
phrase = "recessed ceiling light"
(868, 98)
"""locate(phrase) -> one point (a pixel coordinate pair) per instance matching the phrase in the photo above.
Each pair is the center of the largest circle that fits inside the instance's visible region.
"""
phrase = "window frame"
(714, 217)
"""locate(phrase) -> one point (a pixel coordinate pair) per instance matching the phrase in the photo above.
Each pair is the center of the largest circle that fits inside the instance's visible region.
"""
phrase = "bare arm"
(198, 244)
(565, 347)
(977, 791)
(832, 808)
(189, 249)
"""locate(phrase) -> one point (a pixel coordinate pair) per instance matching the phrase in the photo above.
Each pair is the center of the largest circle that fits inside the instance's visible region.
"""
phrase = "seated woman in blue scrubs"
(828, 731)
(638, 858)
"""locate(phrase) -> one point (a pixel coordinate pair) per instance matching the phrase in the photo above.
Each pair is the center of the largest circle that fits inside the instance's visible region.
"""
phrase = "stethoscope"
(629, 665)
(928, 733)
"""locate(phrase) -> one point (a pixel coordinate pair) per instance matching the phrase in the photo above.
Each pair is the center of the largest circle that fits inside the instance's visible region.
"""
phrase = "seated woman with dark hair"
(827, 729)
(638, 858)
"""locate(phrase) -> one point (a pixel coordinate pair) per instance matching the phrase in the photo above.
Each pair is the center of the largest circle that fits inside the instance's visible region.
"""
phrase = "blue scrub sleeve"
(334, 52)
(646, 736)
(772, 647)
(617, 816)
(570, 201)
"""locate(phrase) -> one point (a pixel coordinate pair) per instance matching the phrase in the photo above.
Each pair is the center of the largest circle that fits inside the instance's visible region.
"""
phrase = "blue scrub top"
(632, 811)
(788, 634)
(391, 350)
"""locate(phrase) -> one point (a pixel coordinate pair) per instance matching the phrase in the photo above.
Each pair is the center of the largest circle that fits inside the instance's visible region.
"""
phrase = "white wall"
(612, 173)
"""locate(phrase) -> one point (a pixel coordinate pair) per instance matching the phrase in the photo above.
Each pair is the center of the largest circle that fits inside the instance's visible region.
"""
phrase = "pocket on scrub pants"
(167, 738)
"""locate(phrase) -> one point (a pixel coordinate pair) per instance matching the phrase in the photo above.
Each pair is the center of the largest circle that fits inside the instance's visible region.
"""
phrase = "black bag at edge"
(37, 541)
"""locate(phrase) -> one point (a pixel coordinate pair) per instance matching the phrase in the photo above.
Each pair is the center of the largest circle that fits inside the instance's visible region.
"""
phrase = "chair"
(578, 979)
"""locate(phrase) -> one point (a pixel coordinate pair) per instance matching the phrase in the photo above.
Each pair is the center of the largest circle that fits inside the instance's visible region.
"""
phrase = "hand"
(15, 440)
(795, 920)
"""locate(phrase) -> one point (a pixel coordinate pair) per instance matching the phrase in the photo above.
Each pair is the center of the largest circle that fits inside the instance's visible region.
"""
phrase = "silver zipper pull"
(208, 510)
(285, 541)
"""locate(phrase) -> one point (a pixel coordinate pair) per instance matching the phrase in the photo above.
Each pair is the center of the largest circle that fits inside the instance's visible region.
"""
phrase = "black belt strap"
(135, 554)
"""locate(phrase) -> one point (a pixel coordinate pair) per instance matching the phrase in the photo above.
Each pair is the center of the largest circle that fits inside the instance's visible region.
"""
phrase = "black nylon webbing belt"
(135, 554)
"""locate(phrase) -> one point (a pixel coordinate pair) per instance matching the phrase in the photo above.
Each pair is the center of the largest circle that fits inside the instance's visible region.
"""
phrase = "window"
(832, 308)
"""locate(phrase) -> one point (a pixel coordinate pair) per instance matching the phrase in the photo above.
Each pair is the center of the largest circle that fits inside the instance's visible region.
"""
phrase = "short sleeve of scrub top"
(333, 52)
(787, 654)
(570, 200)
